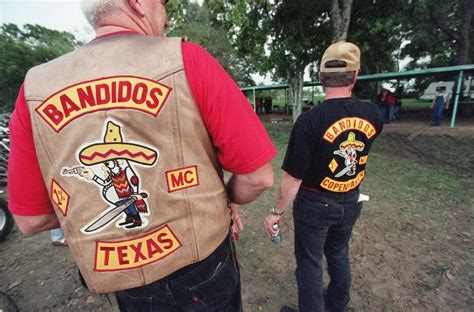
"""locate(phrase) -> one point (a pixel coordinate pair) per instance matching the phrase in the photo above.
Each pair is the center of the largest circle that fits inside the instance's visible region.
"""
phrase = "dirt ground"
(400, 261)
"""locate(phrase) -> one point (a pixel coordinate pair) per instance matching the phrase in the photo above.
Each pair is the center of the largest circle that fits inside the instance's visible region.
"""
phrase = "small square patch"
(333, 165)
(60, 197)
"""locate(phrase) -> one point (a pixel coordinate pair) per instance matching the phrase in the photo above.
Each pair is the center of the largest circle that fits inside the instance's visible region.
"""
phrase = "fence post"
(254, 101)
(456, 99)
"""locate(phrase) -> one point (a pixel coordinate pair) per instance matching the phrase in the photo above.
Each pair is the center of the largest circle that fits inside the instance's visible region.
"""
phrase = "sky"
(64, 15)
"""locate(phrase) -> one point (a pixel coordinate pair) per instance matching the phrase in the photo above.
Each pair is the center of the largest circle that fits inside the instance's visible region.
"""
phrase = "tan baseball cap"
(341, 56)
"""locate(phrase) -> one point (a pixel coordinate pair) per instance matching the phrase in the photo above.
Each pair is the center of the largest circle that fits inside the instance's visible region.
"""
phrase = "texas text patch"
(134, 253)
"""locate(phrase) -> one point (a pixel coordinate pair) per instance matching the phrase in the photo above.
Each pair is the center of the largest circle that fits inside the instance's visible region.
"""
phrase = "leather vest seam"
(180, 149)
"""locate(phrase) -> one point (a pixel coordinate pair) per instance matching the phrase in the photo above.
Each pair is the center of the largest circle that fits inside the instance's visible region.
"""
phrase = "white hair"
(94, 9)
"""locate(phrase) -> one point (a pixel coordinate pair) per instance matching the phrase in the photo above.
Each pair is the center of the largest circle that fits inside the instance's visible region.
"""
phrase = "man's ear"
(136, 6)
(354, 77)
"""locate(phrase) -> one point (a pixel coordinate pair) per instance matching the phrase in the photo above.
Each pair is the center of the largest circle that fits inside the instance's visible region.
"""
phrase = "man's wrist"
(276, 213)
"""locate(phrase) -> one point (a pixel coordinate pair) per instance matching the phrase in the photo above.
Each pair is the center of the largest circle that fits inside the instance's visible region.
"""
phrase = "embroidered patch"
(333, 165)
(137, 252)
(336, 186)
(346, 124)
(118, 92)
(363, 160)
(348, 150)
(110, 165)
(60, 197)
(180, 179)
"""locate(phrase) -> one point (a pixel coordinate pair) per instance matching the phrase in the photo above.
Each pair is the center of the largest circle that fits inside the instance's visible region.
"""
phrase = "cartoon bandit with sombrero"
(348, 149)
(120, 183)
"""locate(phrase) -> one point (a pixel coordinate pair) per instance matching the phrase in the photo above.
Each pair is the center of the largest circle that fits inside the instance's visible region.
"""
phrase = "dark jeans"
(323, 223)
(210, 285)
(383, 109)
(437, 114)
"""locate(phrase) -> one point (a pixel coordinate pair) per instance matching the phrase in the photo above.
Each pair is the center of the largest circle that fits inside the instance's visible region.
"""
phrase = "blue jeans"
(383, 109)
(212, 284)
(323, 224)
(437, 114)
(392, 113)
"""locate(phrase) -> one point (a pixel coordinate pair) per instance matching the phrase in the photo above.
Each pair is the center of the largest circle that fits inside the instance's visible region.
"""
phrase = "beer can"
(276, 238)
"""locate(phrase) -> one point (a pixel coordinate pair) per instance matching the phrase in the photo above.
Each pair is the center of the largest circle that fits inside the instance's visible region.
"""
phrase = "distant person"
(268, 103)
(383, 106)
(398, 95)
(324, 165)
(439, 104)
(123, 143)
(391, 101)
(258, 105)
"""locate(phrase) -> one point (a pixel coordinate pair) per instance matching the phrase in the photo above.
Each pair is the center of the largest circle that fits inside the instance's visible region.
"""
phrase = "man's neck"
(103, 30)
(338, 92)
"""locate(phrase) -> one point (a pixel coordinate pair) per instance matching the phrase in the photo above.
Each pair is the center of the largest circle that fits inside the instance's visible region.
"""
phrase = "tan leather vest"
(129, 165)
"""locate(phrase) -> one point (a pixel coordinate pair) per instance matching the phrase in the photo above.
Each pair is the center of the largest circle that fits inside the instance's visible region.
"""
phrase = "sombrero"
(114, 148)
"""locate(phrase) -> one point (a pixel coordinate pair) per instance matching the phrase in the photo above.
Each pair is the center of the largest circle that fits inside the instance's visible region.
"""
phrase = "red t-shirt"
(241, 140)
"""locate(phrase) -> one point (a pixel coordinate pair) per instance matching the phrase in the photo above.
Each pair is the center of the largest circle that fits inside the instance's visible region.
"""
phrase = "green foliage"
(23, 48)
(434, 29)
(195, 23)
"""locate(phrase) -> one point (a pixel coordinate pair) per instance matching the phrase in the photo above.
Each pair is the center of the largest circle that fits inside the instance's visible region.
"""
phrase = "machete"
(108, 216)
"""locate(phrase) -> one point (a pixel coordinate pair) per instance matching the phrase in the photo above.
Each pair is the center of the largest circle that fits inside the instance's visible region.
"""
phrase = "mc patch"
(180, 179)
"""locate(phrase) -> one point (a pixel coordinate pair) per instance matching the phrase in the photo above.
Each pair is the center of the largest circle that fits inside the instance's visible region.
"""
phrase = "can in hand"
(276, 238)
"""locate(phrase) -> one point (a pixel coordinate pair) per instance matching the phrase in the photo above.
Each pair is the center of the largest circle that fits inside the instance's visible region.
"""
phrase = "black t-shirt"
(329, 145)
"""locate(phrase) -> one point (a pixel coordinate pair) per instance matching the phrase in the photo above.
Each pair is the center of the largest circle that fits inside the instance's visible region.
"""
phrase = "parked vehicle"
(430, 92)
(6, 220)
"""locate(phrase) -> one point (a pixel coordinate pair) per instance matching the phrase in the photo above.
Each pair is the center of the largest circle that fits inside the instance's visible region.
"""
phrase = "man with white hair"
(172, 118)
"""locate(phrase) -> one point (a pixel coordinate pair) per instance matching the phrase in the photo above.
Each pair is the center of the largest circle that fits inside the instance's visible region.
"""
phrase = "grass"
(419, 218)
(424, 177)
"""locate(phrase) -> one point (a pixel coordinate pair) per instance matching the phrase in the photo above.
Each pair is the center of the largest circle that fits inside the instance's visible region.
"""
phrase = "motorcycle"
(6, 220)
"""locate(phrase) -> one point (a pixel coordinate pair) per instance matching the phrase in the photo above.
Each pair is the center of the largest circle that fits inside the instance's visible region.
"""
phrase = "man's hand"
(237, 225)
(270, 220)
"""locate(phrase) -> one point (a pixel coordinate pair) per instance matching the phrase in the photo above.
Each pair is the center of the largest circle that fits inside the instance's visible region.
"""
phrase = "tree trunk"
(296, 92)
(341, 18)
(461, 36)
(463, 46)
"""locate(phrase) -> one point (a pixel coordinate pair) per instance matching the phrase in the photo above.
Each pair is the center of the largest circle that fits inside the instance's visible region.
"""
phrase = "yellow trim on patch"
(181, 179)
(346, 124)
(119, 92)
(340, 187)
(135, 253)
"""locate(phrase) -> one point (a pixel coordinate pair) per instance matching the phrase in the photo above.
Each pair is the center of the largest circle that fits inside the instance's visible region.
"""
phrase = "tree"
(196, 24)
(341, 17)
(23, 48)
(440, 32)
(277, 37)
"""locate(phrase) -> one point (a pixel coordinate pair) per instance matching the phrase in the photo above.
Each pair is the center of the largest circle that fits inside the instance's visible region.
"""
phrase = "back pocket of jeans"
(219, 287)
(311, 213)
(129, 302)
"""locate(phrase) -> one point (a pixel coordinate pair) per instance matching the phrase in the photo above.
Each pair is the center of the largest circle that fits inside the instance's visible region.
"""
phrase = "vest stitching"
(170, 72)
(181, 157)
